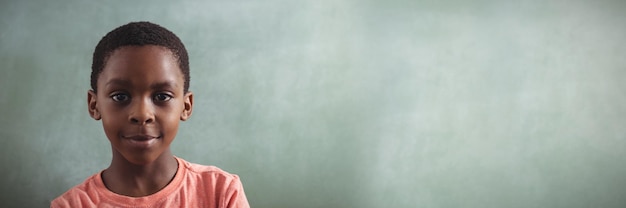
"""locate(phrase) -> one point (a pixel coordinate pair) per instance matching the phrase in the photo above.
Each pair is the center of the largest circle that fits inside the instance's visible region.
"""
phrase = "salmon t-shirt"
(193, 185)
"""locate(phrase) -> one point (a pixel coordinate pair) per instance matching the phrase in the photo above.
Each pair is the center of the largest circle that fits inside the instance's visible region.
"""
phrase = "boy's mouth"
(140, 137)
(141, 141)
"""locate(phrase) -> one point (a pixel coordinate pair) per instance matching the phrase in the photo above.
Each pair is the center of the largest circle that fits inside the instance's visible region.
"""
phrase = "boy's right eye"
(120, 97)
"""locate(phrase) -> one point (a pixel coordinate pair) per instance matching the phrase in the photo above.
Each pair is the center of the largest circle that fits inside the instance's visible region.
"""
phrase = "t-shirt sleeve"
(58, 203)
(235, 197)
(77, 196)
(74, 198)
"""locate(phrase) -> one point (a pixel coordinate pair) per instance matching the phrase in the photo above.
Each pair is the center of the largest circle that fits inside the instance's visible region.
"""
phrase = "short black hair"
(138, 34)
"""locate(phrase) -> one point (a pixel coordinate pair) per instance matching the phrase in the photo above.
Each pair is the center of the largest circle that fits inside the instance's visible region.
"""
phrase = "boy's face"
(140, 100)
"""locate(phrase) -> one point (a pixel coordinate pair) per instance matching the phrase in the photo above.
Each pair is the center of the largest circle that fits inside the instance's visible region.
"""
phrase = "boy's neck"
(125, 178)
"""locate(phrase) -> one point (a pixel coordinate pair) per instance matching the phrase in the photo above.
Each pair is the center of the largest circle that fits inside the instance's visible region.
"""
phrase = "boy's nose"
(142, 113)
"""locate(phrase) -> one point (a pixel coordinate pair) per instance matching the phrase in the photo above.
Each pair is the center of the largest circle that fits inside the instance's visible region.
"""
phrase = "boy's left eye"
(162, 97)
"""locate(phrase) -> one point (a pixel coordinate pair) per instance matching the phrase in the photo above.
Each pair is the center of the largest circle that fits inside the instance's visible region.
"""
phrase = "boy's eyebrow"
(118, 82)
(165, 84)
(158, 85)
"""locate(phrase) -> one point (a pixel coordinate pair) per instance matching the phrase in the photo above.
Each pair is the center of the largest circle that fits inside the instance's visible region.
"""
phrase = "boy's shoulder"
(202, 169)
(79, 193)
(208, 172)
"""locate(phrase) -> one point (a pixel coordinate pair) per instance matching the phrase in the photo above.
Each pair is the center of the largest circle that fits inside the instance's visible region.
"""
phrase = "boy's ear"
(92, 105)
(188, 104)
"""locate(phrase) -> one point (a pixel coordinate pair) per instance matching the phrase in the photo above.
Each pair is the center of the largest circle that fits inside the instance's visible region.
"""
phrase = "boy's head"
(140, 82)
(138, 34)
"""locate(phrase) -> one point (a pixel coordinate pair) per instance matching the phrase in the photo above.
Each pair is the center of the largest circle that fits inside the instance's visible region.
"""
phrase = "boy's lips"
(140, 137)
(141, 141)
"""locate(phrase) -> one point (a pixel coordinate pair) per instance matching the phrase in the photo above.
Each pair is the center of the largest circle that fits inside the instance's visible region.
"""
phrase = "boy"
(140, 83)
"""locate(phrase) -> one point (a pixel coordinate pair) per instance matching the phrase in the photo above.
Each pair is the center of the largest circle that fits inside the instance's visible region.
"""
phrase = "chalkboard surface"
(342, 103)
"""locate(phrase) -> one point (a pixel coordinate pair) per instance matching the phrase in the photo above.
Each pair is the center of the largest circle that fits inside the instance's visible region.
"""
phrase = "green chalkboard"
(343, 103)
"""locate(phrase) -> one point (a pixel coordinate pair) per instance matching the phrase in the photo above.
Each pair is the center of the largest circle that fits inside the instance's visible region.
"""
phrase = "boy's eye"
(120, 97)
(161, 97)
